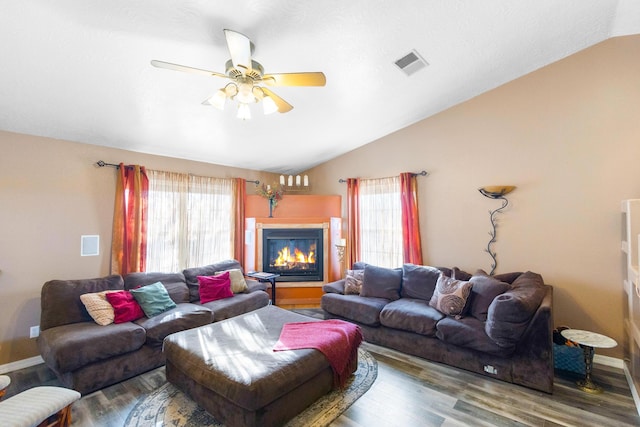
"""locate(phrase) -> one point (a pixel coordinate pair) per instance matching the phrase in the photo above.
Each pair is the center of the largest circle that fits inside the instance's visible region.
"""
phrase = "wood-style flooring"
(409, 391)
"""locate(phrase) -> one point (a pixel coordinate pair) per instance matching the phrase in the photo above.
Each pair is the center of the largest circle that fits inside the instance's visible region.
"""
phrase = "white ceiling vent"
(411, 62)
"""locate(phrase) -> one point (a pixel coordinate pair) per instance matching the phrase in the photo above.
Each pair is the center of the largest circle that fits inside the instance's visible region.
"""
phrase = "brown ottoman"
(230, 369)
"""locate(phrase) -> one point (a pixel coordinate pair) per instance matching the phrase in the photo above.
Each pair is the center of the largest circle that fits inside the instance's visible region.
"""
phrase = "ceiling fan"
(246, 77)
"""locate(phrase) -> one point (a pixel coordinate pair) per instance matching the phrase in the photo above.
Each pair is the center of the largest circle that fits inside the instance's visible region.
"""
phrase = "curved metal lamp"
(495, 192)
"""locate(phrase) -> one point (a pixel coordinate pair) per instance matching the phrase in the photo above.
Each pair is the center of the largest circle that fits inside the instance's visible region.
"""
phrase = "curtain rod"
(421, 173)
(102, 164)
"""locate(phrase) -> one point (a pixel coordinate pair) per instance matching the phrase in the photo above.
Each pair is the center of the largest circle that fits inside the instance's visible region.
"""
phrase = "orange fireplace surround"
(296, 211)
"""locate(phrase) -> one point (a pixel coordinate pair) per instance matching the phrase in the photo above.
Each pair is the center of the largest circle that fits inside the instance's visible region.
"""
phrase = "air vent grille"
(411, 62)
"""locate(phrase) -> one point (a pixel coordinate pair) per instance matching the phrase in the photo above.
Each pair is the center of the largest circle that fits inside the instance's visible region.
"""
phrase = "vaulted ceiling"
(80, 70)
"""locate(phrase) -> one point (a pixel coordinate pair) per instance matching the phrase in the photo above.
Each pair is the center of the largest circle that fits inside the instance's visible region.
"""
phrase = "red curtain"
(129, 241)
(412, 247)
(352, 253)
(238, 235)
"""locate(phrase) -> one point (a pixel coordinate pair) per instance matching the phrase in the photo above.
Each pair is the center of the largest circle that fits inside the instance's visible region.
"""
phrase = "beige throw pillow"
(353, 282)
(98, 307)
(238, 284)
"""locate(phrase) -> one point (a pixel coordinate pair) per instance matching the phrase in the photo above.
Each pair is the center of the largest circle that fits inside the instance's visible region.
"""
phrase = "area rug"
(168, 406)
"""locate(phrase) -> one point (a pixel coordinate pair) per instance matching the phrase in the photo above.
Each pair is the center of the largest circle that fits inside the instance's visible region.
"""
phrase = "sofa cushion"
(174, 283)
(418, 281)
(509, 313)
(213, 288)
(336, 287)
(98, 307)
(507, 277)
(380, 282)
(60, 299)
(468, 332)
(238, 284)
(483, 292)
(238, 304)
(455, 273)
(353, 282)
(69, 347)
(365, 310)
(183, 316)
(191, 275)
(450, 295)
(359, 265)
(125, 307)
(154, 299)
(414, 315)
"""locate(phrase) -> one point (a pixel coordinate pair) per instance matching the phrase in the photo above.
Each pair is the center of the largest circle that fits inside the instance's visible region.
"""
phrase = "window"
(381, 222)
(191, 221)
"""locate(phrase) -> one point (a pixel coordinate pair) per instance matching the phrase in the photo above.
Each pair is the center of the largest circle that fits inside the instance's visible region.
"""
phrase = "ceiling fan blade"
(184, 68)
(283, 106)
(295, 79)
(239, 48)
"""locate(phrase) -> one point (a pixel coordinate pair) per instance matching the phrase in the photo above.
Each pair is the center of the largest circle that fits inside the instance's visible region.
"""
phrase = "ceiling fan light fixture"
(268, 105)
(217, 100)
(231, 90)
(244, 113)
(245, 91)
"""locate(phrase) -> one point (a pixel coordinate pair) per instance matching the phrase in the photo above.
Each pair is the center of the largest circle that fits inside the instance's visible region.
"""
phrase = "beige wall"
(568, 136)
(51, 193)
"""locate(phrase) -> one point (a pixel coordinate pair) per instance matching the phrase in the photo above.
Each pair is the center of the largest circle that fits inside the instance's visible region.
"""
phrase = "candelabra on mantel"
(293, 184)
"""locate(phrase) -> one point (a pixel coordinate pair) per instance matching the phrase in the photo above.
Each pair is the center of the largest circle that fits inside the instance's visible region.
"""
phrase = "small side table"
(588, 341)
(266, 277)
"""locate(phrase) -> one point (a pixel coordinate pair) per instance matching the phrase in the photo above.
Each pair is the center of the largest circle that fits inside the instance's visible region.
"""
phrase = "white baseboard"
(21, 364)
(608, 361)
(634, 392)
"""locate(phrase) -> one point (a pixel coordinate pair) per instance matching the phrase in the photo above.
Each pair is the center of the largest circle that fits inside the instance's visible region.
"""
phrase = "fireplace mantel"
(260, 226)
(303, 211)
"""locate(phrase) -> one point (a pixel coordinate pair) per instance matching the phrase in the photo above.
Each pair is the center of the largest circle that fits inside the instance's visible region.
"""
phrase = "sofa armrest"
(254, 285)
(535, 349)
(336, 287)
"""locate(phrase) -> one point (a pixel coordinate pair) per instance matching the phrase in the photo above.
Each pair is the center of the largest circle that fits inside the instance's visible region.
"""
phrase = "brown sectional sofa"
(505, 331)
(86, 356)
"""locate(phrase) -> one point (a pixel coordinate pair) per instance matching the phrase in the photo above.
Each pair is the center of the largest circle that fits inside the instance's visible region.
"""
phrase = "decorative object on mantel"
(495, 192)
(295, 183)
(341, 246)
(272, 193)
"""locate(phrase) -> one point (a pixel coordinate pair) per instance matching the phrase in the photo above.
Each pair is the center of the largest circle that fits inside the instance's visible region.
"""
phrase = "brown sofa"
(505, 331)
(86, 356)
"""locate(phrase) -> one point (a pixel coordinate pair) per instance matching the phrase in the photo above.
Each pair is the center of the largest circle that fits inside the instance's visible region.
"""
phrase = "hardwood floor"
(409, 391)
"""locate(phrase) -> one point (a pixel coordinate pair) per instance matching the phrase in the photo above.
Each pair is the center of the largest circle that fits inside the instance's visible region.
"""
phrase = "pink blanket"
(336, 339)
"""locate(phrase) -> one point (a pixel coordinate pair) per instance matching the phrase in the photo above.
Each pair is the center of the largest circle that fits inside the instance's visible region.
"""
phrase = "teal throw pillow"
(154, 299)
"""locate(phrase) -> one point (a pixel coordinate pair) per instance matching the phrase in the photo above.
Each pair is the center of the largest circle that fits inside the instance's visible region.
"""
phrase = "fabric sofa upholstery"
(86, 356)
(504, 331)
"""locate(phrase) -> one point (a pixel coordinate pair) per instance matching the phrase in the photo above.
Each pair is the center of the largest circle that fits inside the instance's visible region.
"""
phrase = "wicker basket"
(566, 358)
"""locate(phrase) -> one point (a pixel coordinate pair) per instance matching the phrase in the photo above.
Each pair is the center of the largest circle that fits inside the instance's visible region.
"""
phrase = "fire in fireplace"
(295, 254)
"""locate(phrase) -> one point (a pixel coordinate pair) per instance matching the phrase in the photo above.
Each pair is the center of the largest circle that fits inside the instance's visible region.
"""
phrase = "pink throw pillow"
(213, 288)
(125, 307)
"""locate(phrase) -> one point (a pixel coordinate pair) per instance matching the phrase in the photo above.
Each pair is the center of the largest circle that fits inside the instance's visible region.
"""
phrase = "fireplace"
(296, 254)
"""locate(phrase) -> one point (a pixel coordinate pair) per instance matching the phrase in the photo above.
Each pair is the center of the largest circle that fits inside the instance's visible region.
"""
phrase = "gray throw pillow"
(483, 292)
(381, 282)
